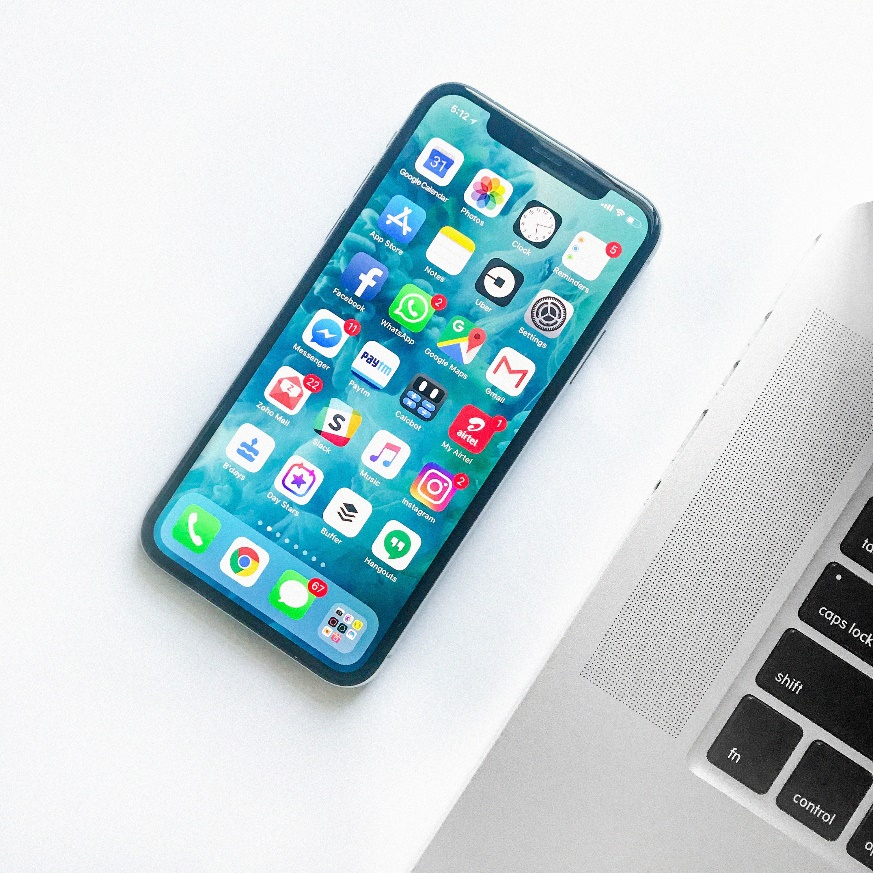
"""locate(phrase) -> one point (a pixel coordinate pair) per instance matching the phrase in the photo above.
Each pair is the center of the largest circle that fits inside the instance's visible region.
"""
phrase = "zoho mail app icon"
(375, 364)
(510, 371)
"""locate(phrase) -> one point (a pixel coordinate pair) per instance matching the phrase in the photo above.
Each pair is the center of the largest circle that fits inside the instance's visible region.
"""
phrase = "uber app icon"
(499, 282)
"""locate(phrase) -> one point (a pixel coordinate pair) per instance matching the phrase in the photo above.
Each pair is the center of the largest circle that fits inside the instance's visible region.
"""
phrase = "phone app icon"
(363, 277)
(375, 364)
(439, 161)
(434, 487)
(244, 562)
(537, 224)
(385, 454)
(291, 594)
(298, 480)
(499, 281)
(423, 397)
(401, 219)
(287, 391)
(450, 251)
(337, 422)
(488, 193)
(461, 339)
(473, 428)
(347, 512)
(411, 308)
(510, 371)
(549, 313)
(196, 528)
(587, 255)
(325, 333)
(250, 447)
(396, 545)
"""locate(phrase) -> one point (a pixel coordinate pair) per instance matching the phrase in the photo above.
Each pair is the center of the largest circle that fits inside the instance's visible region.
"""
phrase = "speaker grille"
(745, 523)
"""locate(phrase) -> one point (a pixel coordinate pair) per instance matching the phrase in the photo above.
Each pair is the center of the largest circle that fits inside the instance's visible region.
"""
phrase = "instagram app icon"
(434, 487)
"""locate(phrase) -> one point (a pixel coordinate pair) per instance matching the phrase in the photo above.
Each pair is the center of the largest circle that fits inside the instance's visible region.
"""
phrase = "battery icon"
(634, 221)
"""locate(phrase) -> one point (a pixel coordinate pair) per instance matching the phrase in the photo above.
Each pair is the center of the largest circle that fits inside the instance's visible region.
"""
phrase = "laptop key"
(860, 846)
(858, 544)
(840, 606)
(754, 744)
(825, 790)
(816, 683)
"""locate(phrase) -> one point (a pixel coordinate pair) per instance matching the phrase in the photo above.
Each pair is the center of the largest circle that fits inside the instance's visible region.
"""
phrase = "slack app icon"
(364, 276)
(499, 282)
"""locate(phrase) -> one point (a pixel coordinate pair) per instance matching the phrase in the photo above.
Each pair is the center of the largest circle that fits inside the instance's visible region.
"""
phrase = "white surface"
(166, 174)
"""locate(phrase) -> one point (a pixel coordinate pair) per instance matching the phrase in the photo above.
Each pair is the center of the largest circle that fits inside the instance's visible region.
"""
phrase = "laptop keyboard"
(769, 743)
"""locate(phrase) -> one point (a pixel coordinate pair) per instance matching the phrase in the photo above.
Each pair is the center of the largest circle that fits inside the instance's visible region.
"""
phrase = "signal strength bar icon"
(608, 206)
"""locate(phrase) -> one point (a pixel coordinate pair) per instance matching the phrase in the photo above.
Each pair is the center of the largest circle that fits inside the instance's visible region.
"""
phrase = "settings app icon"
(549, 313)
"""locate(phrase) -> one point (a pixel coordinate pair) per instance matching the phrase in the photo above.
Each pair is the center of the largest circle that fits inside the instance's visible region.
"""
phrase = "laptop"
(711, 706)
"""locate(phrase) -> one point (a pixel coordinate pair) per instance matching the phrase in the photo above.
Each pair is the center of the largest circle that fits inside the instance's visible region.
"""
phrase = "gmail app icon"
(510, 371)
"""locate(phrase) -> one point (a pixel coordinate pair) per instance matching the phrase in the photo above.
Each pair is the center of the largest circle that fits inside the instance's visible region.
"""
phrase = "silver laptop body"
(711, 706)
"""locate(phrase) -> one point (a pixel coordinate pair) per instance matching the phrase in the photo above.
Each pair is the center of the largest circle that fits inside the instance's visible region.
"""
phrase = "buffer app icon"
(287, 391)
(385, 454)
(411, 308)
(196, 528)
(396, 545)
(337, 422)
(434, 487)
(401, 219)
(473, 428)
(450, 251)
(375, 364)
(461, 340)
(325, 333)
(488, 193)
(364, 276)
(250, 447)
(439, 161)
(347, 512)
(292, 594)
(298, 480)
(244, 562)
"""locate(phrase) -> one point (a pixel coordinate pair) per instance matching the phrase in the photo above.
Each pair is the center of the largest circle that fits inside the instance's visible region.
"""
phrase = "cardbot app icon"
(587, 255)
(291, 594)
(364, 276)
(385, 454)
(244, 562)
(510, 371)
(423, 397)
(488, 193)
(401, 219)
(337, 422)
(411, 308)
(461, 339)
(325, 333)
(396, 545)
(549, 313)
(375, 364)
(439, 161)
(499, 281)
(298, 480)
(473, 428)
(434, 487)
(250, 447)
(196, 528)
(450, 251)
(347, 512)
(287, 391)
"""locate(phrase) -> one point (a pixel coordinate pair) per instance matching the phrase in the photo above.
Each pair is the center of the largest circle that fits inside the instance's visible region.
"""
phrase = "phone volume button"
(587, 355)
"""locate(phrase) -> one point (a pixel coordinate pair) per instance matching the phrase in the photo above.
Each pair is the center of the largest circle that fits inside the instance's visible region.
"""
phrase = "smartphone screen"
(407, 368)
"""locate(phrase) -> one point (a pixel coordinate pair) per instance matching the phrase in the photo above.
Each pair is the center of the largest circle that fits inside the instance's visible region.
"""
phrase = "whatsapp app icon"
(411, 308)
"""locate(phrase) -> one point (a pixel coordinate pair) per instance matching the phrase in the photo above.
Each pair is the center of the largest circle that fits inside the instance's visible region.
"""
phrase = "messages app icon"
(196, 528)
(291, 594)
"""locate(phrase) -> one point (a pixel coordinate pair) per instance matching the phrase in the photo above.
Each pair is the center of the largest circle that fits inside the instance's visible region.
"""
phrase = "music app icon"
(385, 454)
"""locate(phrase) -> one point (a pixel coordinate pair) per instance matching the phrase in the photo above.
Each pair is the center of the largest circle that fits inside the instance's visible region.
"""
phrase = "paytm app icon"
(401, 219)
(364, 276)
(375, 364)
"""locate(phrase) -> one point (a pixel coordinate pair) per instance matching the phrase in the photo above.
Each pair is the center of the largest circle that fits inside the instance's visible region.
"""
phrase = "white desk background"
(167, 171)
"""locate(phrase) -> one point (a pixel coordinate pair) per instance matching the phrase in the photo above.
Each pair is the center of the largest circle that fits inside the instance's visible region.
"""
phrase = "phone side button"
(587, 355)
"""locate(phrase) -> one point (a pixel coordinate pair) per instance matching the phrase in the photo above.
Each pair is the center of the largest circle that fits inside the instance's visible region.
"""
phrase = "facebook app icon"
(401, 219)
(364, 276)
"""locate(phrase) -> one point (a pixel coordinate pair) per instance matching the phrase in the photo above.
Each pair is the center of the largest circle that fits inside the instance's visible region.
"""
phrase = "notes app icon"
(385, 454)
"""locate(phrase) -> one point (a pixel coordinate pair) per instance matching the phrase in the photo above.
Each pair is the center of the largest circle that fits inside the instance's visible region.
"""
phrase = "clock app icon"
(537, 224)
